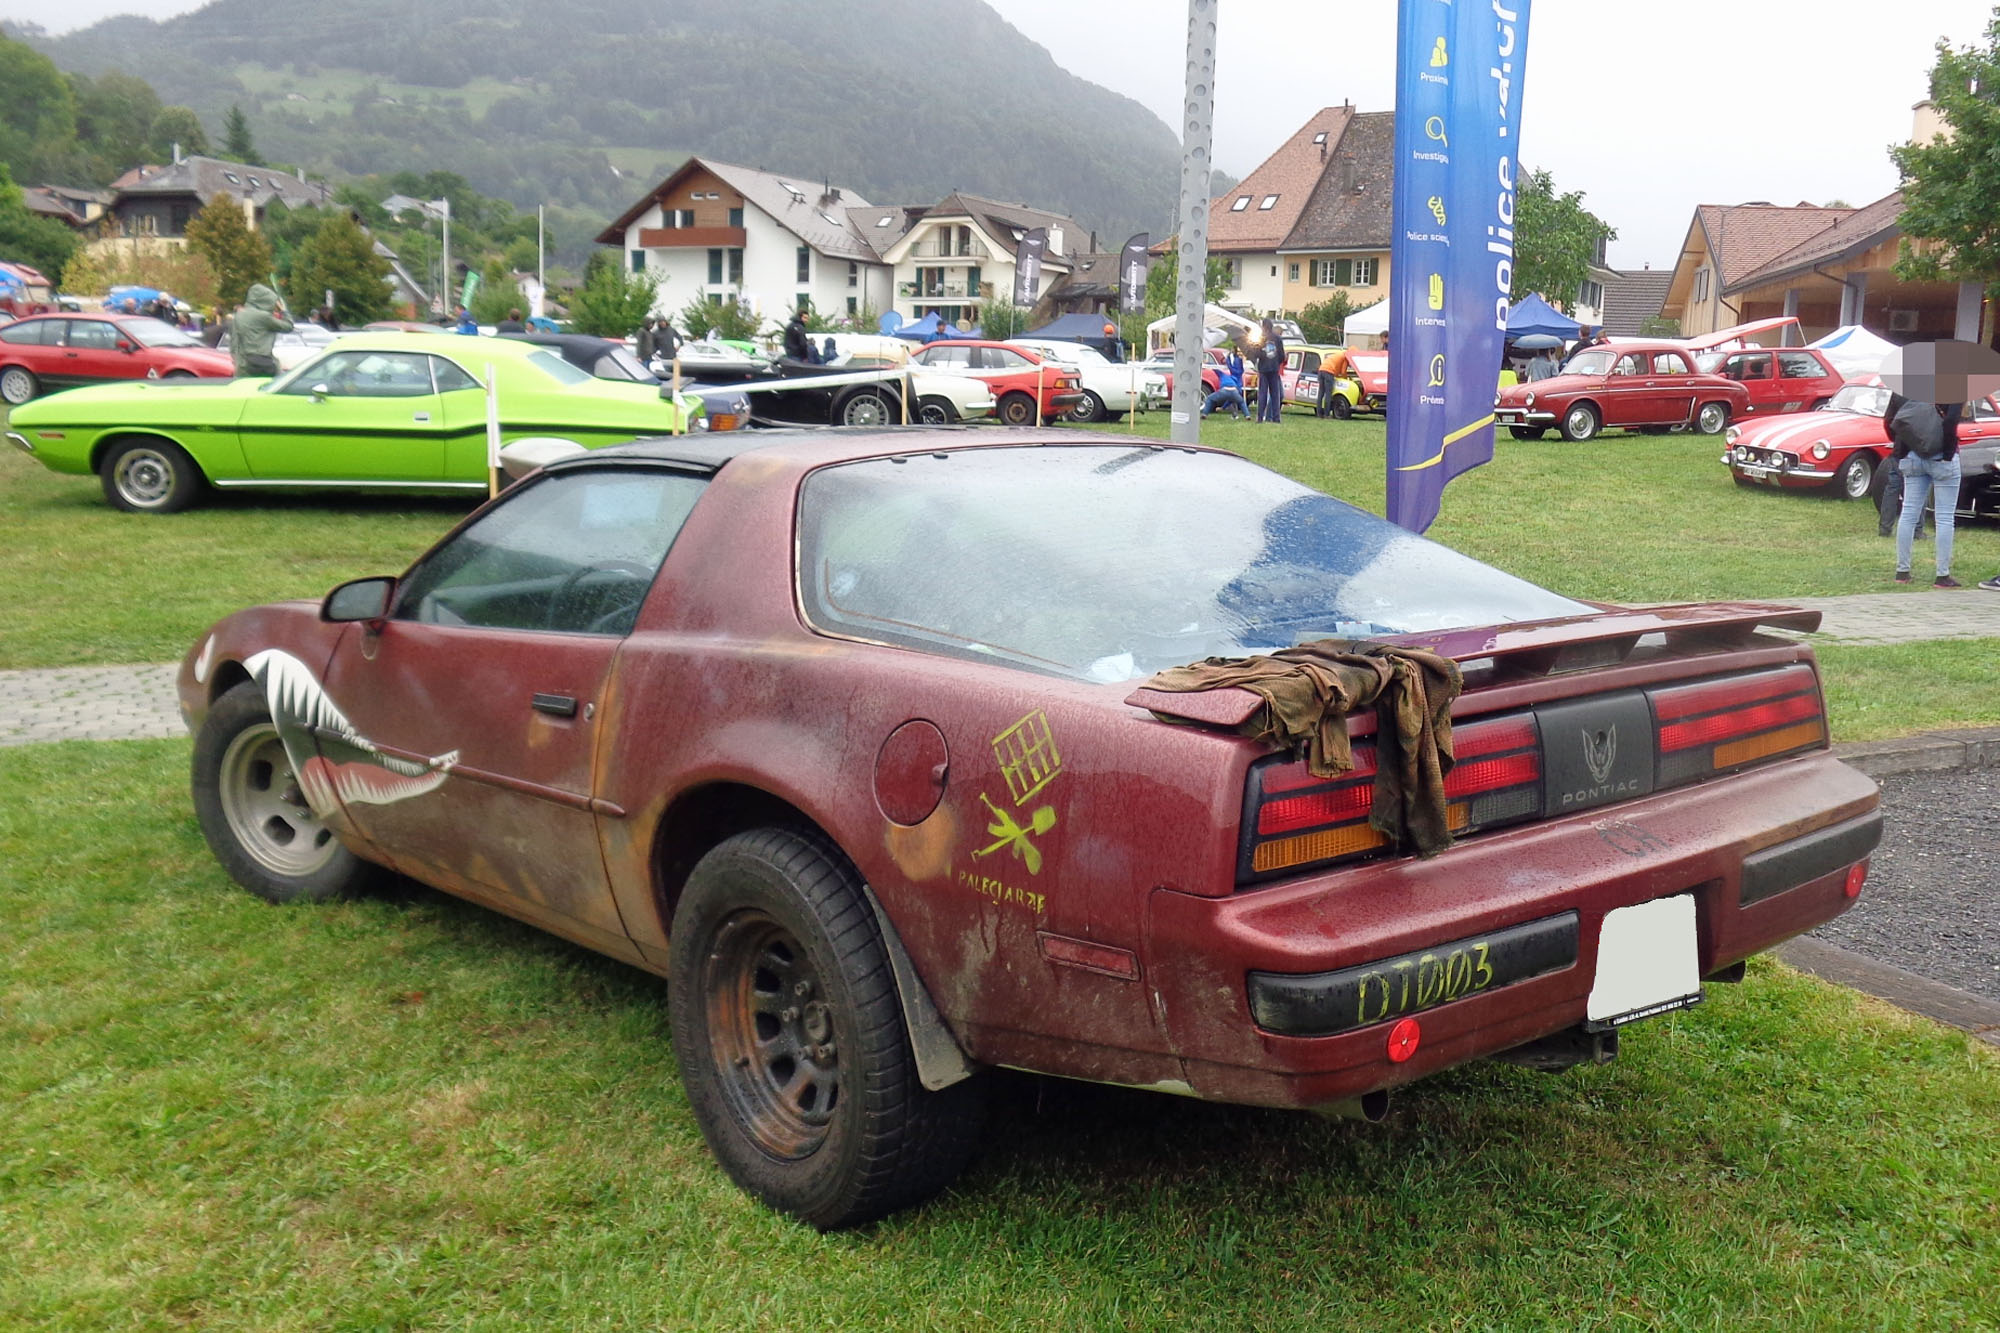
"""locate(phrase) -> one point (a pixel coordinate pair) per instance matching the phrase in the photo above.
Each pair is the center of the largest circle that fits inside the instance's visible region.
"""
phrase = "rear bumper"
(1764, 854)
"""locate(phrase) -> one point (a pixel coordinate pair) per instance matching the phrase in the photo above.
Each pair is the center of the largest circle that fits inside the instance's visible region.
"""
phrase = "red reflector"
(1857, 875)
(1403, 1039)
(1741, 722)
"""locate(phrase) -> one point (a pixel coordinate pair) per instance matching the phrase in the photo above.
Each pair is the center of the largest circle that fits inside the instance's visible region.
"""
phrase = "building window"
(853, 305)
(853, 274)
(1591, 294)
(1331, 272)
(805, 263)
(638, 261)
(736, 267)
(1232, 273)
(715, 298)
(804, 302)
(1269, 200)
(678, 217)
(735, 217)
(1701, 284)
(1242, 202)
(715, 266)
(1364, 272)
(1291, 272)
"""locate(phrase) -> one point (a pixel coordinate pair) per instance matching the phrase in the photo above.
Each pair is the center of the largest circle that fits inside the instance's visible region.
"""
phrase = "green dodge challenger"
(396, 411)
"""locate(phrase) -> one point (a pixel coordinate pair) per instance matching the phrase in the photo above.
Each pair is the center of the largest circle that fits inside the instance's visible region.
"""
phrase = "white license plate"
(1646, 963)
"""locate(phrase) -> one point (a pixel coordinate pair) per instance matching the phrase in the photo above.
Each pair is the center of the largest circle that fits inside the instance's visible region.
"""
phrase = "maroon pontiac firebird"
(846, 736)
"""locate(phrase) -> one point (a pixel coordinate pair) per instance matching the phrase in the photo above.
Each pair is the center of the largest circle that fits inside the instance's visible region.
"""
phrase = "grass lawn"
(407, 1112)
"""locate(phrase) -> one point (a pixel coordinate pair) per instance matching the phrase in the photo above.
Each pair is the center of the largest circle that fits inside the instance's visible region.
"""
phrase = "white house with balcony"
(714, 230)
(961, 251)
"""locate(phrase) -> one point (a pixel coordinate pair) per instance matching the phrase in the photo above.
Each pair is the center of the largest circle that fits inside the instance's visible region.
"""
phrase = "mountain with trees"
(587, 107)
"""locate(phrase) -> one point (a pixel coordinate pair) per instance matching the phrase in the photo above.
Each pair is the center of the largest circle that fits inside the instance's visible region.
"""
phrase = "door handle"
(556, 705)
(423, 416)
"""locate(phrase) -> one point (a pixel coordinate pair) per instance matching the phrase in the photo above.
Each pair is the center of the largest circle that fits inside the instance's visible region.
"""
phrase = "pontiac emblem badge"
(1600, 751)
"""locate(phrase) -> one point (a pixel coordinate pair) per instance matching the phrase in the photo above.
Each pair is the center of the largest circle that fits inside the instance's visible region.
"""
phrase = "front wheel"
(935, 411)
(150, 477)
(1712, 418)
(1017, 409)
(1580, 423)
(178, 375)
(1856, 476)
(1342, 409)
(868, 408)
(1089, 408)
(791, 1041)
(18, 384)
(252, 808)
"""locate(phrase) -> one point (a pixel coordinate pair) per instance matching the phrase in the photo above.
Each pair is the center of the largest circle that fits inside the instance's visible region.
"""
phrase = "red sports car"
(1843, 447)
(849, 737)
(1651, 386)
(1017, 376)
(60, 351)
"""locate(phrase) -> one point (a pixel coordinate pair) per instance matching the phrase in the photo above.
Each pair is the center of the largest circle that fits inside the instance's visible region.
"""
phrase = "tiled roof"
(882, 225)
(1861, 229)
(46, 202)
(1287, 178)
(1352, 207)
(1745, 237)
(826, 224)
(1095, 274)
(1001, 221)
(1630, 299)
(206, 177)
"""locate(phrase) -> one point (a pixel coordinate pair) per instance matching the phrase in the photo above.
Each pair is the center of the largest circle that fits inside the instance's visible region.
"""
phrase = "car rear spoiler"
(1534, 648)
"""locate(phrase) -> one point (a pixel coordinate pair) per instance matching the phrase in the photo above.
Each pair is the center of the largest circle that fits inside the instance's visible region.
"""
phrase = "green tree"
(728, 319)
(37, 107)
(176, 125)
(611, 302)
(497, 294)
(522, 256)
(238, 255)
(114, 117)
(1556, 240)
(1322, 321)
(1164, 276)
(237, 145)
(1950, 183)
(1002, 319)
(1659, 326)
(341, 258)
(83, 275)
(40, 242)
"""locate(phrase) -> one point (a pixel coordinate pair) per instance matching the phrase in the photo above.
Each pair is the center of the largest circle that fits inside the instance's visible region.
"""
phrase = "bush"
(611, 301)
(1001, 319)
(730, 319)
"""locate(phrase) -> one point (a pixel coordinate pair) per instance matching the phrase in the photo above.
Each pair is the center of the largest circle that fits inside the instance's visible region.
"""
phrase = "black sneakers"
(1992, 584)
(1946, 581)
(1902, 576)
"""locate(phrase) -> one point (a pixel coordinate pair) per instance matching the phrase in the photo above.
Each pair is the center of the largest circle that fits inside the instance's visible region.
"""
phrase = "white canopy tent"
(1160, 333)
(1855, 351)
(1370, 323)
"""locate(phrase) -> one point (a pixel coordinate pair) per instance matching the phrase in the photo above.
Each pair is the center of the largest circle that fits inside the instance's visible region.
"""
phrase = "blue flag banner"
(1458, 103)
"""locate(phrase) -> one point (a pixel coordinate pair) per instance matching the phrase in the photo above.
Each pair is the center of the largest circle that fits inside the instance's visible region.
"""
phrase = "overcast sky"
(1648, 111)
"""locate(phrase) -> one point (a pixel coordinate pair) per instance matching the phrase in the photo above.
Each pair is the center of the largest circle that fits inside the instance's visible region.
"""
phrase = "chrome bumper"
(20, 442)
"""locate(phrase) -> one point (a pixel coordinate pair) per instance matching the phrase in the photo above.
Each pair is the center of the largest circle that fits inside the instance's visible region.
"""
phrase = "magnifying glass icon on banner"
(1434, 129)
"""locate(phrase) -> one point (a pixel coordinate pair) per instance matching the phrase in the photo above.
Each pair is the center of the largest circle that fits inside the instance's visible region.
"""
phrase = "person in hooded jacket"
(254, 332)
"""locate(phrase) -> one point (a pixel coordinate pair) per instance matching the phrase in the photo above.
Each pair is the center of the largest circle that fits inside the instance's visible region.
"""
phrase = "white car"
(1110, 388)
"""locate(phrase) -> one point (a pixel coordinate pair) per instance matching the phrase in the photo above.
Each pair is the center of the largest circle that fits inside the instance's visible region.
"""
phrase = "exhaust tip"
(1372, 1107)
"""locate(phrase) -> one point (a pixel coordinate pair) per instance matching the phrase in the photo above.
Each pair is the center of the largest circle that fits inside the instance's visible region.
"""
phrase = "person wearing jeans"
(1922, 476)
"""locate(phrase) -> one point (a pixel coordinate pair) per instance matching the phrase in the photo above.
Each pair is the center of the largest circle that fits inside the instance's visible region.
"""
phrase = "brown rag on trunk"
(1308, 691)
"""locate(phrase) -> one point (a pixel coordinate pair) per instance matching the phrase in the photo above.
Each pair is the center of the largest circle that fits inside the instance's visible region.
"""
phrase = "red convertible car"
(60, 351)
(1649, 386)
(848, 736)
(1842, 448)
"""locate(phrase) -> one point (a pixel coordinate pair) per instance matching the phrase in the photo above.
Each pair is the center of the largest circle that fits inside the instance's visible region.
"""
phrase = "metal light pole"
(541, 260)
(1197, 137)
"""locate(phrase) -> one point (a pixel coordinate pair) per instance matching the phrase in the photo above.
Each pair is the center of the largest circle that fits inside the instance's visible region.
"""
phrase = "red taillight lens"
(1298, 820)
(1720, 725)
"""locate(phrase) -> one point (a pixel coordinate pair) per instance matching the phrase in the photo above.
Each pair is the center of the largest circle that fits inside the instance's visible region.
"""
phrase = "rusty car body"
(847, 736)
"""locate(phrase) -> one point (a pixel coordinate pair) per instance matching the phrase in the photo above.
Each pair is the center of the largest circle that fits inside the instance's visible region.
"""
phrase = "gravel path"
(1932, 904)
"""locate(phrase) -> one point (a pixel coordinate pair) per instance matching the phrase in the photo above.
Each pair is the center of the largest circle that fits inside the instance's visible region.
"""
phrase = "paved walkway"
(137, 702)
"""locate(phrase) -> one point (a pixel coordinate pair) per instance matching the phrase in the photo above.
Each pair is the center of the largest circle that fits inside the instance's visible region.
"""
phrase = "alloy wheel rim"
(14, 386)
(866, 411)
(266, 810)
(1857, 481)
(145, 477)
(771, 1034)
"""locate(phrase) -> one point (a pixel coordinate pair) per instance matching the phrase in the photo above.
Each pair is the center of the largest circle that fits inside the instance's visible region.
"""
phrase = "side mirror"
(358, 599)
(319, 391)
(126, 346)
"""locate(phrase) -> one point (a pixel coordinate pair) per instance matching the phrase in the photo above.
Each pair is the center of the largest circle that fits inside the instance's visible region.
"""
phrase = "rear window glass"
(557, 368)
(1110, 563)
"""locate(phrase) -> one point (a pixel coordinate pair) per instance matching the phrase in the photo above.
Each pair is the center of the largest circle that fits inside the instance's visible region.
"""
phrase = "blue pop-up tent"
(1531, 314)
(928, 329)
(1080, 328)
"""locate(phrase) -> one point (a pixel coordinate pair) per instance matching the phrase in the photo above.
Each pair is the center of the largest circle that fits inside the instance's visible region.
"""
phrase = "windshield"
(556, 368)
(1110, 563)
(157, 333)
(1869, 400)
(1597, 361)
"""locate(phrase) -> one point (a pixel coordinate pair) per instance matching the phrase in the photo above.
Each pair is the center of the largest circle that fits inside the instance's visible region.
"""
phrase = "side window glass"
(1308, 362)
(28, 333)
(1629, 365)
(93, 333)
(1002, 359)
(572, 553)
(1798, 366)
(368, 375)
(1669, 363)
(450, 379)
(1754, 366)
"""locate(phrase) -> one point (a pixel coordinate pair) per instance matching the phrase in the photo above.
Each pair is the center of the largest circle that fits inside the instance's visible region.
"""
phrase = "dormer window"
(230, 176)
(256, 184)
(1242, 202)
(1269, 200)
(1320, 138)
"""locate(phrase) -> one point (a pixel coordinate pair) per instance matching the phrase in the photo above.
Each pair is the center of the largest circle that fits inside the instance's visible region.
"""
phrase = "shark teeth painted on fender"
(308, 722)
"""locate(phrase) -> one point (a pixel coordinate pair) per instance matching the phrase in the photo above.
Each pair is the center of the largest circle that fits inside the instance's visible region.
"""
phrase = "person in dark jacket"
(644, 343)
(798, 344)
(1270, 375)
(511, 324)
(1922, 476)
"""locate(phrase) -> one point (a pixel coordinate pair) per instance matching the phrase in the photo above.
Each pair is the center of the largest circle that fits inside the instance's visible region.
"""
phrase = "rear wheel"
(1712, 418)
(1580, 423)
(935, 411)
(791, 1041)
(18, 384)
(869, 407)
(1088, 408)
(1856, 476)
(1527, 432)
(149, 477)
(1017, 409)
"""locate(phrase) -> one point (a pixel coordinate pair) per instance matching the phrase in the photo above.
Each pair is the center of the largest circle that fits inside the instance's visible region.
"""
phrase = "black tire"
(1017, 409)
(1581, 423)
(868, 408)
(178, 375)
(1711, 418)
(150, 477)
(1856, 478)
(791, 1041)
(936, 411)
(257, 823)
(1088, 408)
(1527, 432)
(17, 385)
(1342, 409)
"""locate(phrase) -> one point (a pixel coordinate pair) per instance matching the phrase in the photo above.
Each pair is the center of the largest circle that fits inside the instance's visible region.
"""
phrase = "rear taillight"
(1296, 820)
(1721, 725)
